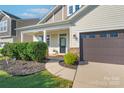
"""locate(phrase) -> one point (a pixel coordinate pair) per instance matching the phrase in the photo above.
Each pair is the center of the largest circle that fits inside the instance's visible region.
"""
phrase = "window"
(92, 36)
(83, 36)
(40, 38)
(113, 34)
(77, 7)
(103, 34)
(3, 25)
(70, 9)
(48, 40)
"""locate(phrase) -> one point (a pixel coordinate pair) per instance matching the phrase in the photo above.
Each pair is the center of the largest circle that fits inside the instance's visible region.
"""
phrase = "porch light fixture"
(75, 37)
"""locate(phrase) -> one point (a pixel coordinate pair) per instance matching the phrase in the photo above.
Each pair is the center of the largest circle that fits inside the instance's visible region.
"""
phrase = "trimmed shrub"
(70, 58)
(22, 51)
(35, 51)
(0, 50)
(8, 50)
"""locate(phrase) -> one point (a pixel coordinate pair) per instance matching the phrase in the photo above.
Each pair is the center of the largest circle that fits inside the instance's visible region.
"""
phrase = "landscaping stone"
(67, 65)
(23, 67)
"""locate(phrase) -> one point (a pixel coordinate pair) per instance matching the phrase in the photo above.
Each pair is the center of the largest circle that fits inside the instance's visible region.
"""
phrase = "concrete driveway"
(99, 75)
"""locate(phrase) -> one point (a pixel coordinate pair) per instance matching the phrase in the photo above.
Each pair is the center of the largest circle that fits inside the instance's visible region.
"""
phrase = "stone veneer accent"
(75, 51)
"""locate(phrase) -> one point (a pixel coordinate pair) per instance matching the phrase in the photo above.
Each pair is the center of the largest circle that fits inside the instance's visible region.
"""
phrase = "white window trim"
(68, 10)
(74, 10)
(1, 31)
(63, 13)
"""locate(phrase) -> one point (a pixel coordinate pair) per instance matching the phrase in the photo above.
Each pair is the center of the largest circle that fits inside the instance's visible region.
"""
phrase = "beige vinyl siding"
(58, 16)
(109, 17)
(6, 40)
(27, 38)
(65, 11)
(18, 36)
(50, 20)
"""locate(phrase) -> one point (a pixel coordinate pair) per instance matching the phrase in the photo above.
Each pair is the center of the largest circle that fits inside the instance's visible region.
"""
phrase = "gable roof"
(50, 13)
(56, 8)
(71, 20)
(9, 14)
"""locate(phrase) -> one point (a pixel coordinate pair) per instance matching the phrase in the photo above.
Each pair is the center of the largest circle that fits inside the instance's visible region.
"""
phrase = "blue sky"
(27, 11)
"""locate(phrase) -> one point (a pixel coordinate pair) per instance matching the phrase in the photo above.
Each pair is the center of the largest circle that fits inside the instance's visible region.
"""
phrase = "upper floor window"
(3, 25)
(72, 8)
(77, 7)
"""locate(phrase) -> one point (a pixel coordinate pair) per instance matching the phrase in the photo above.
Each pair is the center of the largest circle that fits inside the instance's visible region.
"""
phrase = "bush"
(22, 51)
(35, 51)
(0, 50)
(70, 58)
(8, 50)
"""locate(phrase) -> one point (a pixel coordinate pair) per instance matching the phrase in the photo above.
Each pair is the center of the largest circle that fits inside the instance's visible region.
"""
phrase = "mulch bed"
(20, 67)
(68, 66)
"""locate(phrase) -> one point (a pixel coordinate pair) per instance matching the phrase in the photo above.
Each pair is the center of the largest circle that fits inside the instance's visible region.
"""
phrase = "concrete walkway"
(66, 73)
(91, 75)
(99, 75)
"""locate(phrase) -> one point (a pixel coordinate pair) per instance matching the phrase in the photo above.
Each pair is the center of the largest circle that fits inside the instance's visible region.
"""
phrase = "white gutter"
(44, 25)
(68, 21)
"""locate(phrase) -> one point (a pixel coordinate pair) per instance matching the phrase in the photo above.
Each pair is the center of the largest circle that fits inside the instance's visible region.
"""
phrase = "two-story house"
(94, 32)
(53, 29)
(8, 23)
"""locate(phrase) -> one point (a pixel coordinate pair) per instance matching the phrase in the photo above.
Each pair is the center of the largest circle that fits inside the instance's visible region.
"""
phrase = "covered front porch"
(57, 40)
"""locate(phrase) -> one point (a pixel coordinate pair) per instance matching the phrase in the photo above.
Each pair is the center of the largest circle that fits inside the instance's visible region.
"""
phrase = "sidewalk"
(66, 73)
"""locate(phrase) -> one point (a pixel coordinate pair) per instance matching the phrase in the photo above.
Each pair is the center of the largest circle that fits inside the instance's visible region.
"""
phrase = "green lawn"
(42, 79)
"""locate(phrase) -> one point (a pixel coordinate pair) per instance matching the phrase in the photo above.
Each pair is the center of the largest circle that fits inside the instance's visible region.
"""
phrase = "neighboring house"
(94, 31)
(8, 23)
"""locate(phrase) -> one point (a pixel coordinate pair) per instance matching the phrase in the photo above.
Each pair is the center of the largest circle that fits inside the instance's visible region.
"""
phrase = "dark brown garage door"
(106, 47)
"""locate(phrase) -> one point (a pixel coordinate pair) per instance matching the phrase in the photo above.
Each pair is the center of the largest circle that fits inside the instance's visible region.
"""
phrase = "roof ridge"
(10, 15)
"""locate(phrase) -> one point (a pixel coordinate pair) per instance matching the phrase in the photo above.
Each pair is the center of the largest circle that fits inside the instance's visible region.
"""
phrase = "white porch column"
(21, 36)
(44, 36)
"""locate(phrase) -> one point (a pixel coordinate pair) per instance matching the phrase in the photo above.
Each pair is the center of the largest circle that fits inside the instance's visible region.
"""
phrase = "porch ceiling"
(47, 31)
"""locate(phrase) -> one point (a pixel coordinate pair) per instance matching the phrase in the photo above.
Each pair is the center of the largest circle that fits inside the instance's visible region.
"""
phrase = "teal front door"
(62, 43)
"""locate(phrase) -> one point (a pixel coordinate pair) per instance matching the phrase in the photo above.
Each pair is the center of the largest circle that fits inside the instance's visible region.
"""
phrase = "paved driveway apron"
(101, 75)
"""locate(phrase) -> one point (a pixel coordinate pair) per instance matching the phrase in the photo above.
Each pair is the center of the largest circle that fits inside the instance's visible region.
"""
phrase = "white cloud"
(28, 15)
(38, 10)
(34, 13)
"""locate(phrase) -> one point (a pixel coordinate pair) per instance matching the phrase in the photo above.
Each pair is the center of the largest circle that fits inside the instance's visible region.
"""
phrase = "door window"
(114, 34)
(62, 43)
(48, 40)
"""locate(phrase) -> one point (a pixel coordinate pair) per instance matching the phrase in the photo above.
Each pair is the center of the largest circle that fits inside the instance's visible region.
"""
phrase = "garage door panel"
(103, 51)
(107, 50)
(99, 43)
(104, 59)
